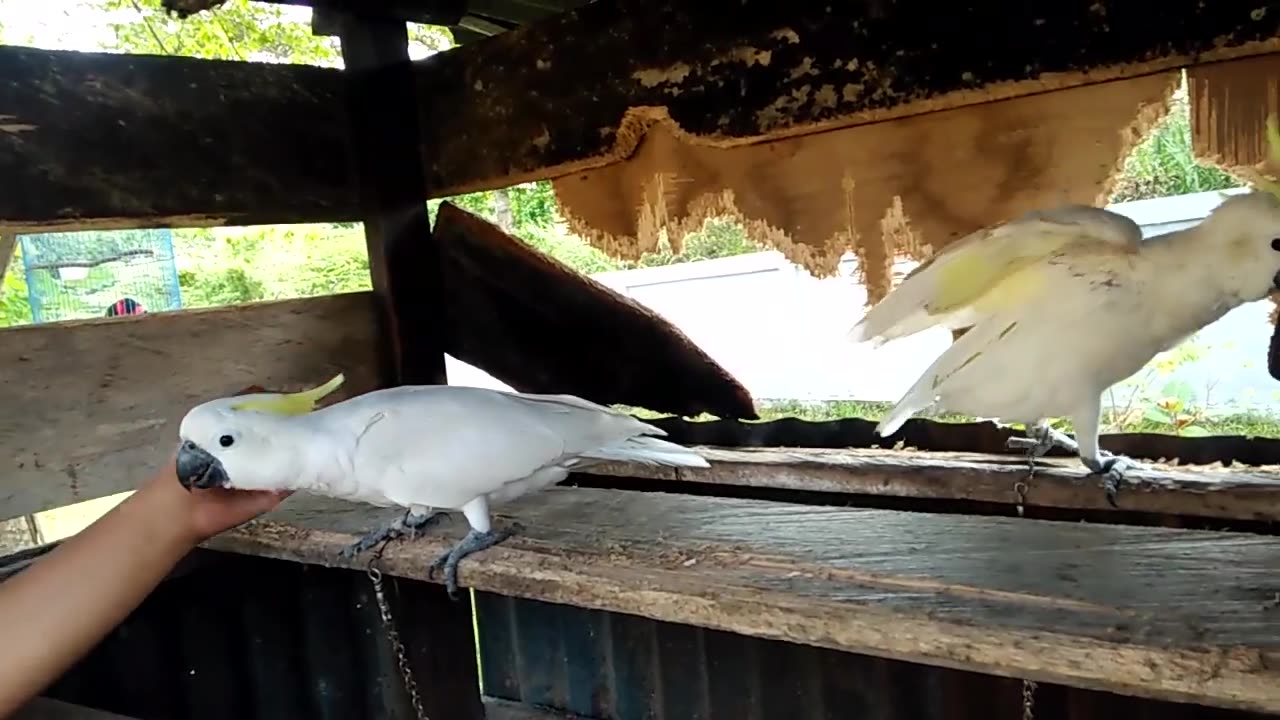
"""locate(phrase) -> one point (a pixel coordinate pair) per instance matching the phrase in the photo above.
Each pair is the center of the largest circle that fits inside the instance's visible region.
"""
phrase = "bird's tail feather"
(649, 450)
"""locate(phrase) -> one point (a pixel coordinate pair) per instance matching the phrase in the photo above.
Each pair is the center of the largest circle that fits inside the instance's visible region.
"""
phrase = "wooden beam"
(8, 244)
(731, 72)
(107, 140)
(101, 140)
(1173, 614)
(92, 406)
(1188, 492)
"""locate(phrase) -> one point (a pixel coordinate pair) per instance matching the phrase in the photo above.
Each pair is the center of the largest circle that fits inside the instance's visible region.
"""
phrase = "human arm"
(59, 608)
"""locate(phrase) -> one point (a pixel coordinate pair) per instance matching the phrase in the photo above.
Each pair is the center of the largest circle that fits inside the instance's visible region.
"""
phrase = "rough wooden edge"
(1241, 677)
(1058, 483)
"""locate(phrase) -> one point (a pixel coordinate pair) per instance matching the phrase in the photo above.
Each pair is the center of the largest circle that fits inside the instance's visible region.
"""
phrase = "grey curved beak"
(198, 469)
(1275, 282)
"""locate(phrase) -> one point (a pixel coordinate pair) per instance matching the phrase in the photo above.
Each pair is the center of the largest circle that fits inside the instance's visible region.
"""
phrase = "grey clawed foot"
(1041, 439)
(408, 525)
(473, 543)
(1113, 469)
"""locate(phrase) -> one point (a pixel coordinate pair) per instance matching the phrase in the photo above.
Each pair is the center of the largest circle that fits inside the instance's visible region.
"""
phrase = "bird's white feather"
(949, 288)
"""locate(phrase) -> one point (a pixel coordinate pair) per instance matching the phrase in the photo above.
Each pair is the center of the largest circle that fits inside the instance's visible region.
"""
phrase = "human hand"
(201, 514)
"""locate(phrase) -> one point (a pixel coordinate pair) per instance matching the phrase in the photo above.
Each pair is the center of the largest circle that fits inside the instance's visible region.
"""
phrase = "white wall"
(781, 332)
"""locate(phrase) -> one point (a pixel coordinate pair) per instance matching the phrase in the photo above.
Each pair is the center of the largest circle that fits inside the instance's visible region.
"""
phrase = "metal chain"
(402, 659)
(1028, 699)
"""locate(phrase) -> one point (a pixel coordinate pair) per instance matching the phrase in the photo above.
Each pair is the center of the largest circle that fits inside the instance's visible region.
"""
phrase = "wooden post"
(16, 532)
(382, 112)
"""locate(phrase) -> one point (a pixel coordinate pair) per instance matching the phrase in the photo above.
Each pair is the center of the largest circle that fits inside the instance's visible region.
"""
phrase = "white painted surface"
(781, 332)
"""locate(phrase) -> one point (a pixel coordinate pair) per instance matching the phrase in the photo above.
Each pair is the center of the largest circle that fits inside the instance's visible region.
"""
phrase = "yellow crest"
(1273, 157)
(299, 403)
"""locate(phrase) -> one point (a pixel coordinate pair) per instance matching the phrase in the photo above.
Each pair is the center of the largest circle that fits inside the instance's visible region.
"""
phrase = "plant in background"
(1177, 410)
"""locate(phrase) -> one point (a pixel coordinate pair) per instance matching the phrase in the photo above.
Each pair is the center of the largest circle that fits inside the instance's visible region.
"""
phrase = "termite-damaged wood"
(564, 332)
(1230, 103)
(1173, 614)
(729, 72)
(104, 140)
(1204, 492)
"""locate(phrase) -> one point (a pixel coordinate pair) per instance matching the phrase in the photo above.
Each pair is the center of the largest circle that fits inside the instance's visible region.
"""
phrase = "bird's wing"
(972, 277)
(450, 445)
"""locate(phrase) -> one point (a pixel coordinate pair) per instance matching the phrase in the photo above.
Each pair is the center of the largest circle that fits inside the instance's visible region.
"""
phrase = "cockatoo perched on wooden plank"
(1060, 305)
(418, 447)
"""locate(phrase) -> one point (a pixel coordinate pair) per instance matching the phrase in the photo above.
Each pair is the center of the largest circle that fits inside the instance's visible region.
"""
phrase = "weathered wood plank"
(1205, 492)
(729, 72)
(106, 140)
(90, 407)
(520, 315)
(1173, 614)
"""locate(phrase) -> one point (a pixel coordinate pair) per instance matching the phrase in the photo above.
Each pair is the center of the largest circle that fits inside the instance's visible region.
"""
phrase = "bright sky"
(59, 24)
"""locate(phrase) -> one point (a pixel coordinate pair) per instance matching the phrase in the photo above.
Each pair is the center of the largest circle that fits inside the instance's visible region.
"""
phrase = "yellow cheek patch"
(298, 403)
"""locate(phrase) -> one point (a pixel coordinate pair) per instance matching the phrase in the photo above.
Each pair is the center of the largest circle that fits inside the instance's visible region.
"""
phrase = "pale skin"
(58, 609)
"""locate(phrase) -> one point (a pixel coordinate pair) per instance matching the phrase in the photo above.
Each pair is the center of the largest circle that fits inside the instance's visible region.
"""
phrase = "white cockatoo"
(1060, 305)
(419, 447)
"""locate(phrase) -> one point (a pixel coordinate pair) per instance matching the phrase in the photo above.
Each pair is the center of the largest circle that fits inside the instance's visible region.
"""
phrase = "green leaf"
(1194, 431)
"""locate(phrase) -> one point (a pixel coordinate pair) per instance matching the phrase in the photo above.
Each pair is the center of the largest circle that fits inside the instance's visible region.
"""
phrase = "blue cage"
(75, 275)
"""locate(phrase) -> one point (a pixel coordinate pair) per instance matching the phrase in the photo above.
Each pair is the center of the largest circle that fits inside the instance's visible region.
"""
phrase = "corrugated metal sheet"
(248, 638)
(957, 437)
(608, 666)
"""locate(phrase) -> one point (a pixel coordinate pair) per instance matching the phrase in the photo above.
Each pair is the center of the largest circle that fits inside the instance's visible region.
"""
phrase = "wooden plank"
(1216, 492)
(105, 140)
(731, 72)
(8, 245)
(1174, 614)
(506, 300)
(92, 406)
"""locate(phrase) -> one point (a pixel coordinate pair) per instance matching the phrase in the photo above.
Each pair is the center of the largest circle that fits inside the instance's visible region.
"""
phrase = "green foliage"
(14, 306)
(1163, 163)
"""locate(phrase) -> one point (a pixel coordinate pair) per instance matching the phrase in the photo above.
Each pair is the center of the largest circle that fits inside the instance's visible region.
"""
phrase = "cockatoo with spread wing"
(1060, 305)
(418, 447)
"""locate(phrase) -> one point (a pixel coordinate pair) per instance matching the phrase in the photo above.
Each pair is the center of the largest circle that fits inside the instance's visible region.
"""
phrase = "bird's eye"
(1275, 244)
(226, 441)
